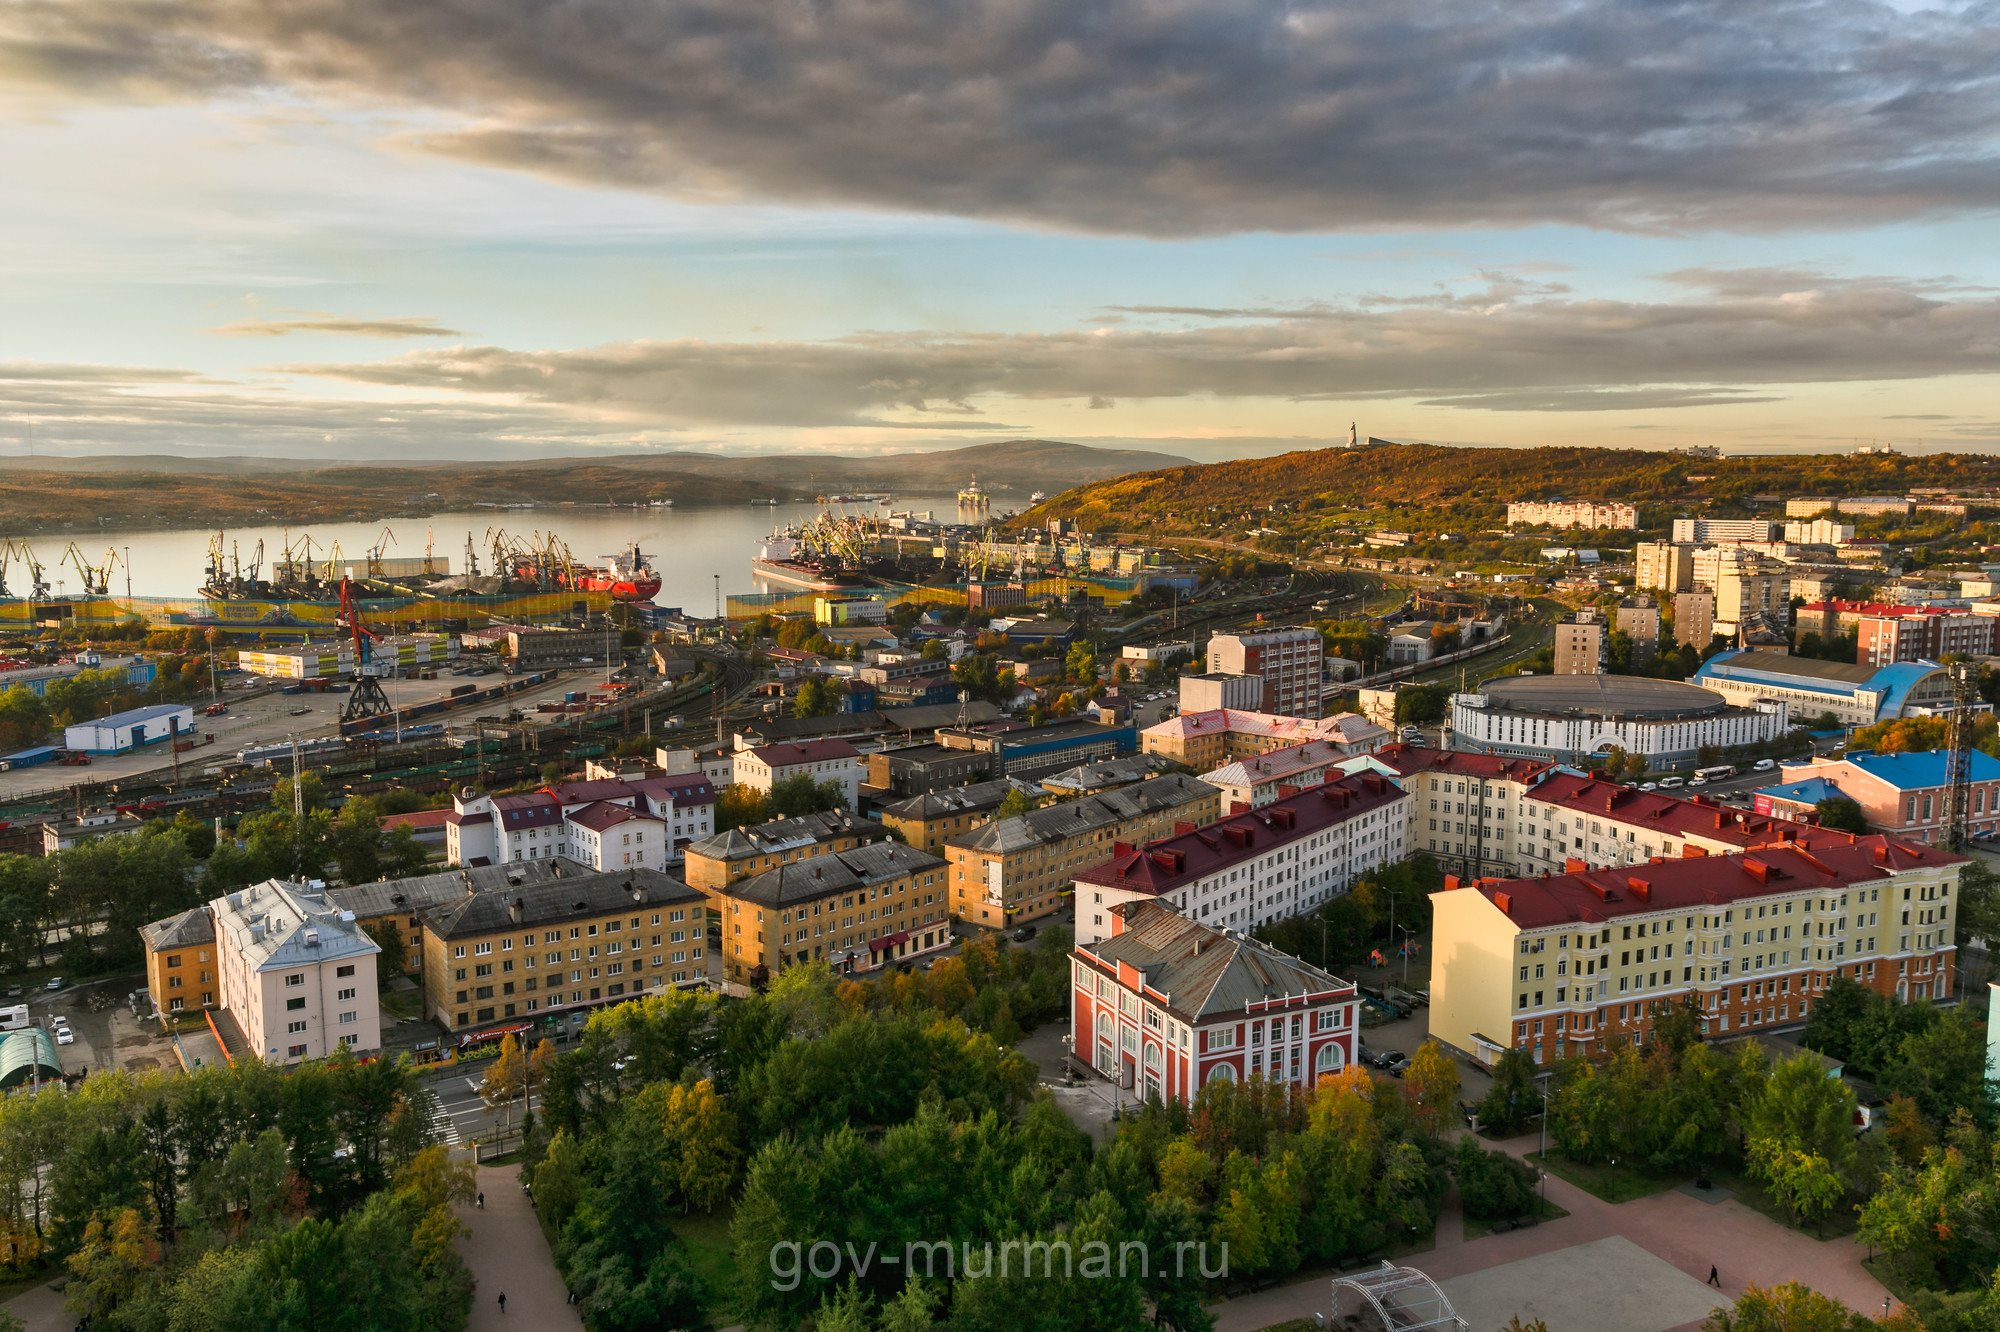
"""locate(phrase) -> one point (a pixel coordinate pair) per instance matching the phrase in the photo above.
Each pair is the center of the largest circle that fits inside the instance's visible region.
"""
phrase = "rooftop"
(1071, 818)
(186, 930)
(1907, 772)
(976, 798)
(1601, 695)
(842, 871)
(1202, 972)
(1676, 816)
(597, 817)
(790, 753)
(1217, 720)
(1700, 883)
(780, 835)
(390, 897)
(1277, 764)
(541, 904)
(1167, 863)
(148, 713)
(275, 924)
(1408, 759)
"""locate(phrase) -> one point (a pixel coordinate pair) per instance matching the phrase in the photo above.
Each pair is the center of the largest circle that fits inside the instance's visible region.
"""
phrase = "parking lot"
(105, 1033)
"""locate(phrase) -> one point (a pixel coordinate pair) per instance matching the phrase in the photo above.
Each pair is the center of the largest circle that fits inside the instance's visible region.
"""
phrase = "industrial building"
(1856, 695)
(122, 731)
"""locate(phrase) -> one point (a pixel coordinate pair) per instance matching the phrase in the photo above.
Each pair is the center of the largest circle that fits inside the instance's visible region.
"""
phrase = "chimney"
(1641, 890)
(1505, 901)
(515, 910)
(1451, 882)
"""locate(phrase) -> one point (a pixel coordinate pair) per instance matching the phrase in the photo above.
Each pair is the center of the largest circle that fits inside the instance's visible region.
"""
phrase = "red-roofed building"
(1463, 806)
(823, 760)
(1889, 632)
(1577, 962)
(427, 826)
(1568, 816)
(1163, 1005)
(1255, 866)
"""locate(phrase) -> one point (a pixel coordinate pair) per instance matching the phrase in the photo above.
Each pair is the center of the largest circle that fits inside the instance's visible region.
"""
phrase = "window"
(344, 972)
(295, 1052)
(295, 1005)
(345, 994)
(347, 1019)
(296, 978)
(295, 1028)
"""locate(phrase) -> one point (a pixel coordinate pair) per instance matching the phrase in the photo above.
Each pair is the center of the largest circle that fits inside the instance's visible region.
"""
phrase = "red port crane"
(364, 696)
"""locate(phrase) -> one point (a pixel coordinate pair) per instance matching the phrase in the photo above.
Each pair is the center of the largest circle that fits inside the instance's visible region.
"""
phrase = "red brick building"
(1165, 1005)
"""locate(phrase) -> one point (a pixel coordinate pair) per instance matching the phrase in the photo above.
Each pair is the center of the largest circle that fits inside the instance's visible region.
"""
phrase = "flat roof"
(1601, 695)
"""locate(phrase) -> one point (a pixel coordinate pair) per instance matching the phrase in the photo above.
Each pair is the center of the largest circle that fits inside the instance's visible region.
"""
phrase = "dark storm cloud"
(1165, 117)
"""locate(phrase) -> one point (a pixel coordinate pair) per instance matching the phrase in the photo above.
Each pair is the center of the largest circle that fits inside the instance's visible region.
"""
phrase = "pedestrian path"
(507, 1254)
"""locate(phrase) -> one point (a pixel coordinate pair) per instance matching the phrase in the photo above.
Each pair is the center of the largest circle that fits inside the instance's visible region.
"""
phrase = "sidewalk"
(506, 1252)
(1743, 1244)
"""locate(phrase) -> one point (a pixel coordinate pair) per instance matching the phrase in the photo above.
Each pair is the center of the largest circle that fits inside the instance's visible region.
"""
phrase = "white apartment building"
(1462, 805)
(1562, 514)
(605, 836)
(1289, 660)
(1724, 529)
(295, 972)
(823, 760)
(655, 818)
(1819, 532)
(1254, 867)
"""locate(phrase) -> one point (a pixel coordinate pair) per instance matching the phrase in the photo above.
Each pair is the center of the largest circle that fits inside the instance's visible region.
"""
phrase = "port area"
(263, 716)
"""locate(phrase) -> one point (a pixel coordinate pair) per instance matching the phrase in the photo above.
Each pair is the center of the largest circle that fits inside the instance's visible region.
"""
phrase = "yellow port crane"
(96, 578)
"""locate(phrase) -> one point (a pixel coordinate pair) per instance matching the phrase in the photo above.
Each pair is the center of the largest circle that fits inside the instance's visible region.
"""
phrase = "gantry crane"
(364, 696)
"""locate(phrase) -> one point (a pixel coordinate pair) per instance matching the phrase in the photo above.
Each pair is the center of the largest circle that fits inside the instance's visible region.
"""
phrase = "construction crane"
(1964, 676)
(364, 696)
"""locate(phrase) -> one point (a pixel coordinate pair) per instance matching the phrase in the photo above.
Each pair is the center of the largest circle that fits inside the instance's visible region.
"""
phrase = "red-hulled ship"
(627, 576)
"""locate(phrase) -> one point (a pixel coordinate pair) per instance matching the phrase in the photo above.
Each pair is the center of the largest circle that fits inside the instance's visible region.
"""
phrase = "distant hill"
(1480, 481)
(173, 492)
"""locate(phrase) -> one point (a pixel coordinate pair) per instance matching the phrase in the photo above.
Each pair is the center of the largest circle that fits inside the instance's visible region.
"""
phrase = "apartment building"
(1210, 693)
(1748, 585)
(1819, 532)
(1580, 644)
(927, 821)
(1205, 740)
(1287, 659)
(295, 972)
(399, 904)
(823, 760)
(1664, 566)
(1014, 870)
(1576, 963)
(1694, 619)
(736, 853)
(1639, 620)
(1569, 818)
(1255, 866)
(180, 961)
(663, 814)
(1920, 634)
(1702, 530)
(1462, 805)
(855, 910)
(536, 959)
(1562, 514)
(1164, 1005)
(1905, 795)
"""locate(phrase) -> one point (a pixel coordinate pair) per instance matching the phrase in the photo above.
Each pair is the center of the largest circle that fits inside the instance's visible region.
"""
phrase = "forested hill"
(1424, 475)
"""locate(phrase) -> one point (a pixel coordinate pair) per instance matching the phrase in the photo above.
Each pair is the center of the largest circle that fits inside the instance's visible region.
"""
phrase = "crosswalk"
(441, 1123)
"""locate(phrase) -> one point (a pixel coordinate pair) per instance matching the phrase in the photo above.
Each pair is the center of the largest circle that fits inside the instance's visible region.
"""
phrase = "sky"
(333, 229)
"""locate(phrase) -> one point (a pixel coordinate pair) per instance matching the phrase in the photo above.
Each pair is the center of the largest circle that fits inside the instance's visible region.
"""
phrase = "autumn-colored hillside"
(1478, 481)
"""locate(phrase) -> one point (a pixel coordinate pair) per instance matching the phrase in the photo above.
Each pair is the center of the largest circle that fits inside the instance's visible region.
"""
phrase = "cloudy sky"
(1213, 227)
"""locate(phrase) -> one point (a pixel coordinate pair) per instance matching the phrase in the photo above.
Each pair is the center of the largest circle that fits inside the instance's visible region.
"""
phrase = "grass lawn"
(1613, 1183)
(709, 1250)
(1752, 1193)
(1546, 1211)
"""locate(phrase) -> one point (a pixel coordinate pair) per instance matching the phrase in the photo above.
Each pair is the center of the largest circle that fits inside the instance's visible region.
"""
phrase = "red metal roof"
(790, 753)
(1164, 865)
(604, 815)
(1700, 883)
(1407, 759)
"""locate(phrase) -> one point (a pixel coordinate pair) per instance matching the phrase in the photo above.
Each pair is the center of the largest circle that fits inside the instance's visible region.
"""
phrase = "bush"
(1492, 1184)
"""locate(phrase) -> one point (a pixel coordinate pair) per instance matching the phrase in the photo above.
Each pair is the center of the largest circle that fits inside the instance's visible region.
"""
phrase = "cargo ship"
(628, 576)
(783, 559)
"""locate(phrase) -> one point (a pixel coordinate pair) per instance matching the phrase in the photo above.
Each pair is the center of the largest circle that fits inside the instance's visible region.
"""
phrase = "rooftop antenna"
(1958, 757)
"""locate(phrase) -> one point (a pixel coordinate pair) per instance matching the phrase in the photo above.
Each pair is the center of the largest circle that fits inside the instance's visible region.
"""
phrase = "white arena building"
(1570, 717)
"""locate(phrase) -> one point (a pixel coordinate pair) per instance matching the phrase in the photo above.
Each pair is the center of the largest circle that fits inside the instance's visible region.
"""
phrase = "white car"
(57, 1020)
(1650, 786)
(1765, 765)
(1698, 781)
(64, 1036)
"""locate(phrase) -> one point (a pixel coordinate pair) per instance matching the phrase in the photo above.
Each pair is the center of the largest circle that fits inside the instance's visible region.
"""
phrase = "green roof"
(22, 1051)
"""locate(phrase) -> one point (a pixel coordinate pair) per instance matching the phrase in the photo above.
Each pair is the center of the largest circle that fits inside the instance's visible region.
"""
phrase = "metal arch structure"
(1404, 1299)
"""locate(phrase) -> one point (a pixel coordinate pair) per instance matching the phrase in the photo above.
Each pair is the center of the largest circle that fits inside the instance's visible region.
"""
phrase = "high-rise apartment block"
(1580, 644)
(1666, 566)
(1560, 514)
(1694, 619)
(1748, 585)
(1639, 620)
(1288, 659)
(1724, 529)
(1819, 532)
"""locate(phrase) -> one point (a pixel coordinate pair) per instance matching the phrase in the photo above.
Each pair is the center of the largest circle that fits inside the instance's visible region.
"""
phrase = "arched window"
(1221, 1073)
(1104, 1025)
(1152, 1056)
(1330, 1058)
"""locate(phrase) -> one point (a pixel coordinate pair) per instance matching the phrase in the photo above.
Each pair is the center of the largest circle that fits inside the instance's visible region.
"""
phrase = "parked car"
(1395, 1061)
(1025, 933)
(1650, 786)
(57, 1021)
(1764, 765)
(55, 983)
(64, 1036)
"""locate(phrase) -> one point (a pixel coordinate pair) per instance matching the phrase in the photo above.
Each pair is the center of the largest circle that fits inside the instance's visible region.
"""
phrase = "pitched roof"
(1217, 720)
(1701, 883)
(419, 893)
(1905, 772)
(189, 928)
(538, 809)
(1277, 764)
(975, 798)
(1071, 818)
(584, 793)
(683, 788)
(1409, 759)
(1167, 863)
(778, 835)
(791, 753)
(842, 871)
(604, 815)
(1808, 792)
(546, 903)
(422, 818)
(1200, 971)
(1673, 816)
(275, 924)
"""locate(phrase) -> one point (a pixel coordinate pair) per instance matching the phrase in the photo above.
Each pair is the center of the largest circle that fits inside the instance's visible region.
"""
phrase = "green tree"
(1016, 804)
(1841, 814)
(801, 794)
(740, 806)
(1802, 1110)
(1513, 1100)
(1787, 1308)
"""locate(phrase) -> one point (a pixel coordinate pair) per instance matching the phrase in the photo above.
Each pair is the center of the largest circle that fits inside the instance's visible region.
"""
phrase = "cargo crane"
(375, 552)
(36, 573)
(364, 697)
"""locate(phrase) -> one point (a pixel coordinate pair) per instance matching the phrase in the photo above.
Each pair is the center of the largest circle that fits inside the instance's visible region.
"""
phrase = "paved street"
(507, 1253)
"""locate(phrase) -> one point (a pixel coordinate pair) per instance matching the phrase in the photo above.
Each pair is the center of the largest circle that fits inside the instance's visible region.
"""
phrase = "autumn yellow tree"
(701, 1136)
(1186, 1172)
(1430, 1084)
(111, 1264)
(507, 1078)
